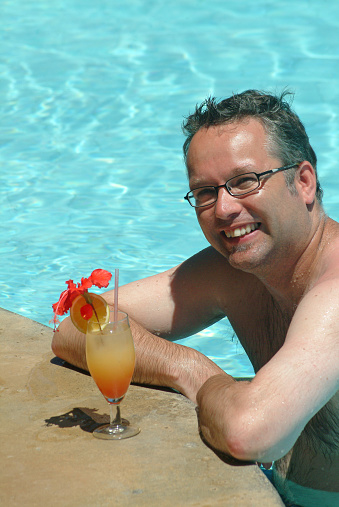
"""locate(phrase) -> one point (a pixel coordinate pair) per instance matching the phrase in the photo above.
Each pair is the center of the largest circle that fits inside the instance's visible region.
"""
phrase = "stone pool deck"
(49, 457)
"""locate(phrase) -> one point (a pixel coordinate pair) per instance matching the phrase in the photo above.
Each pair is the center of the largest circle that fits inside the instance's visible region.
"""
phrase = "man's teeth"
(241, 231)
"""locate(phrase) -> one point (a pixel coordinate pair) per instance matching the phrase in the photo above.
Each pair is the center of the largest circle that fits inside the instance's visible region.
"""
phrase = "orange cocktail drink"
(110, 358)
(109, 345)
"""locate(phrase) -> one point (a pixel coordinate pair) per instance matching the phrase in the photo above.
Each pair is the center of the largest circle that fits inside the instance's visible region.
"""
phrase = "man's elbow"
(58, 346)
(60, 340)
(248, 440)
(244, 447)
(69, 344)
(55, 344)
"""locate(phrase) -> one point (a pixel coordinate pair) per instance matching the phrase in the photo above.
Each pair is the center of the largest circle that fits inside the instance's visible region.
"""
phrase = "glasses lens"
(243, 183)
(202, 196)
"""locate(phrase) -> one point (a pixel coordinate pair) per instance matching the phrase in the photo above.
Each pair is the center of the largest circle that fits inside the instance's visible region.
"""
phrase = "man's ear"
(306, 182)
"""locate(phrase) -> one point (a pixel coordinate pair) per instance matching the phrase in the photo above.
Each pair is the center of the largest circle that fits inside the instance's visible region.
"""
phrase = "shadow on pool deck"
(49, 457)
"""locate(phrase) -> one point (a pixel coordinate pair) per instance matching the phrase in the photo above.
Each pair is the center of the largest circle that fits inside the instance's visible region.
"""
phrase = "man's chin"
(243, 258)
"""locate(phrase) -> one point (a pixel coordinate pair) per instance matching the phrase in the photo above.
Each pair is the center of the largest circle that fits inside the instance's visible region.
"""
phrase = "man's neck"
(300, 271)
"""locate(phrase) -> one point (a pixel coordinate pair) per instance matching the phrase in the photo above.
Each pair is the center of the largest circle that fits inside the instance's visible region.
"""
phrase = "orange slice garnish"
(77, 314)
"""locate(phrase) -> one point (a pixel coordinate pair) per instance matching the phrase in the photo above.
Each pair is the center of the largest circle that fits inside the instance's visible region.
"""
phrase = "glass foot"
(116, 431)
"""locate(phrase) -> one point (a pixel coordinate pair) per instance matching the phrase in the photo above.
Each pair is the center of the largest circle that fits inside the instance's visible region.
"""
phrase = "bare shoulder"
(323, 291)
(313, 335)
(329, 250)
(316, 320)
(309, 354)
(209, 275)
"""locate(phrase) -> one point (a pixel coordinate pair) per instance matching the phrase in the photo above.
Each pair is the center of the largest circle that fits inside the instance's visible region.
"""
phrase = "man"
(273, 270)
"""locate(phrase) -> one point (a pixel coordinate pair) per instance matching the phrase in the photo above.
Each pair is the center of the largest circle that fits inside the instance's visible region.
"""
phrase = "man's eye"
(244, 182)
(204, 194)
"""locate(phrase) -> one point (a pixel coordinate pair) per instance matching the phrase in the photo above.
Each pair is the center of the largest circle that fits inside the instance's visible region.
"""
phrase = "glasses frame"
(225, 185)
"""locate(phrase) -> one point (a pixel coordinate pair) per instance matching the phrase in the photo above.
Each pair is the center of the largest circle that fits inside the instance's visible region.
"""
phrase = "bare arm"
(261, 420)
(173, 304)
(158, 361)
(178, 302)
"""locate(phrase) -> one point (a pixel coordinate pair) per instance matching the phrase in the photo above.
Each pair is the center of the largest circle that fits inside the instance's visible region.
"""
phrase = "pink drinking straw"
(116, 286)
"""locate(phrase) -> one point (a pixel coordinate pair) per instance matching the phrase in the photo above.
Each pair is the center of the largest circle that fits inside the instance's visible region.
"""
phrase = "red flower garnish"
(100, 278)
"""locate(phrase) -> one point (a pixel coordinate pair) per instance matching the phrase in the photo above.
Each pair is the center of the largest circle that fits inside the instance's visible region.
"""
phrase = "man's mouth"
(242, 231)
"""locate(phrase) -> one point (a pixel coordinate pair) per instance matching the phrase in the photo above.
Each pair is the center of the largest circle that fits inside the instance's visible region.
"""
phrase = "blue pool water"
(93, 95)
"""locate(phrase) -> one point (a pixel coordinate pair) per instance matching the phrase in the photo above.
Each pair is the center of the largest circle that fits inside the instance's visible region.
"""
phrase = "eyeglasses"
(237, 186)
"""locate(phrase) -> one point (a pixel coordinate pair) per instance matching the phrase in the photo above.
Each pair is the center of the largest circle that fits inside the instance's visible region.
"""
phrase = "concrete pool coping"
(49, 457)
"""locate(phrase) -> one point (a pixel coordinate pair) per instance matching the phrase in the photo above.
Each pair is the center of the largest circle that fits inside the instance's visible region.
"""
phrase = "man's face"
(255, 230)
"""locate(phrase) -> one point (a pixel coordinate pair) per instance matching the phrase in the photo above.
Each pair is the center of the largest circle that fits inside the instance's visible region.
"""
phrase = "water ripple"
(93, 97)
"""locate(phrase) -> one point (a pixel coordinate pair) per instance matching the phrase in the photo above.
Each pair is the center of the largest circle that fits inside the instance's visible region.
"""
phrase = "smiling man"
(273, 270)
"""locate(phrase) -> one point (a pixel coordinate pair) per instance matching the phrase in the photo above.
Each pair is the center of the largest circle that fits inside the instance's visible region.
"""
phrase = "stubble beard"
(247, 258)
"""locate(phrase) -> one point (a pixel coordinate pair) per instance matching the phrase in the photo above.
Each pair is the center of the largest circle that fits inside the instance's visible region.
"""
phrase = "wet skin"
(279, 287)
(289, 251)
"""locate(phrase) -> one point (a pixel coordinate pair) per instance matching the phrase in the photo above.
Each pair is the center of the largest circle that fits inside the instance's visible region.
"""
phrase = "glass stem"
(115, 420)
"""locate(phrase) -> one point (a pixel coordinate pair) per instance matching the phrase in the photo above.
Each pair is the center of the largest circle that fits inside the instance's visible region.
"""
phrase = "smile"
(242, 231)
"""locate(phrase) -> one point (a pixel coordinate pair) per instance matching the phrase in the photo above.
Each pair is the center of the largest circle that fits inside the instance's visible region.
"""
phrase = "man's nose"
(227, 205)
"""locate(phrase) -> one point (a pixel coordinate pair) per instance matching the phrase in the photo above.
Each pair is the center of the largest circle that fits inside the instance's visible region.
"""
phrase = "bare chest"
(314, 460)
(261, 327)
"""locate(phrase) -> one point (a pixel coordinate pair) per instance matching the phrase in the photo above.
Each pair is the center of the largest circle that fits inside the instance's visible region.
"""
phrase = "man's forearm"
(158, 361)
(164, 363)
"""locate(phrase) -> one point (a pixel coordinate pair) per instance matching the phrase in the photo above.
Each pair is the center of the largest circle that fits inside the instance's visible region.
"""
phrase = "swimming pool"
(93, 96)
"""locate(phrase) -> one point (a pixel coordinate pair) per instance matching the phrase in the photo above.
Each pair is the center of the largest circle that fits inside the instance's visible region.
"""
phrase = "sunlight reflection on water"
(92, 102)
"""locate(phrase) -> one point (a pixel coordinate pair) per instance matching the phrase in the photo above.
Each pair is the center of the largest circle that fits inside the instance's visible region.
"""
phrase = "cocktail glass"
(110, 358)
